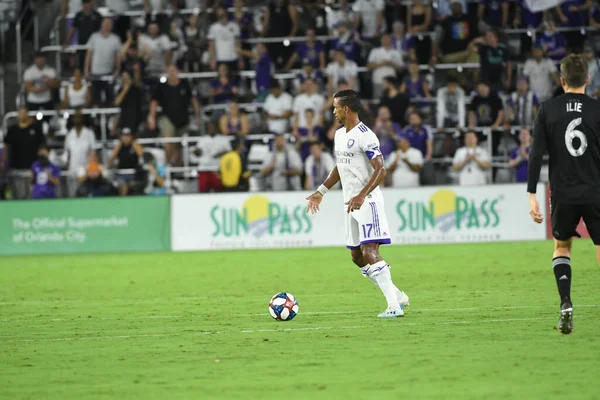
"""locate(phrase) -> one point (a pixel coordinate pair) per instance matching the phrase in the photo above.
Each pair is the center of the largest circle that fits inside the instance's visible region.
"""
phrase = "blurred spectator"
(396, 101)
(404, 164)
(404, 43)
(280, 20)
(311, 133)
(244, 19)
(129, 100)
(342, 12)
(348, 41)
(311, 99)
(233, 169)
(444, 8)
(122, 22)
(223, 89)
(39, 82)
(452, 38)
(310, 72)
(192, 33)
(283, 167)
(593, 87)
(128, 153)
(595, 14)
(471, 162)
(311, 52)
(492, 14)
(177, 44)
(133, 57)
(209, 151)
(93, 162)
(174, 96)
(526, 18)
(519, 157)
(419, 135)
(386, 130)
(86, 22)
(574, 13)
(70, 7)
(451, 108)
(224, 37)
(416, 87)
(45, 176)
(486, 108)
(418, 20)
(94, 182)
(157, 46)
(317, 166)
(234, 122)
(553, 42)
(522, 105)
(368, 16)
(157, 174)
(341, 69)
(495, 65)
(278, 109)
(383, 61)
(21, 145)
(78, 94)
(102, 59)
(542, 74)
(79, 142)
(264, 69)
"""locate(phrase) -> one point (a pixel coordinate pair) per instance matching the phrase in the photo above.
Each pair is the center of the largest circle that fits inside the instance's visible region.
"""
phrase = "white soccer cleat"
(403, 299)
(392, 313)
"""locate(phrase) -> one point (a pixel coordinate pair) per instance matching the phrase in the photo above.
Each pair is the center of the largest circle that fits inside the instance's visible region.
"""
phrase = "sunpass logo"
(446, 211)
(258, 216)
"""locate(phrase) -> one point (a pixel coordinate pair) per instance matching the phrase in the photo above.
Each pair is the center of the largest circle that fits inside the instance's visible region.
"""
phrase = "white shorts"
(367, 225)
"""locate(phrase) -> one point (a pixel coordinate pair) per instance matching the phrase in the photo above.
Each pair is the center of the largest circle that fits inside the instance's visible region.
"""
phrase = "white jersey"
(353, 152)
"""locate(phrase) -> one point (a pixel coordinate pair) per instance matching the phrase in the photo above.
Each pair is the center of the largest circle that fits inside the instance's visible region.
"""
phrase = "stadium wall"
(418, 215)
(85, 225)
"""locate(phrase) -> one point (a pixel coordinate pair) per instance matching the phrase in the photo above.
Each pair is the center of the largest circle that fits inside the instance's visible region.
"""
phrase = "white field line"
(411, 309)
(281, 330)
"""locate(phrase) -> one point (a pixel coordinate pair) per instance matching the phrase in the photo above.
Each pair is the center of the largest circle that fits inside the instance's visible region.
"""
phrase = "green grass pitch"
(195, 326)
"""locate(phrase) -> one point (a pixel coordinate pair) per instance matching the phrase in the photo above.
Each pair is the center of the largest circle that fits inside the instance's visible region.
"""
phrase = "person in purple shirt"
(493, 13)
(527, 18)
(553, 42)
(575, 13)
(223, 89)
(386, 131)
(45, 176)
(311, 51)
(348, 40)
(519, 157)
(309, 72)
(420, 135)
(264, 69)
(313, 132)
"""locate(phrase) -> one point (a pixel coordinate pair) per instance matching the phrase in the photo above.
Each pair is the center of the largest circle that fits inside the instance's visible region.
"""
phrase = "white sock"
(380, 273)
(365, 272)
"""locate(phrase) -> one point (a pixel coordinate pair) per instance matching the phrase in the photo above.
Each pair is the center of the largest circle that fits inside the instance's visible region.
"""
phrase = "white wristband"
(322, 189)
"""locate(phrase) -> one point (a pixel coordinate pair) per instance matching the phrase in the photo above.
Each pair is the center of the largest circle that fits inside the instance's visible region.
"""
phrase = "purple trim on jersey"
(378, 269)
(376, 228)
(380, 241)
(352, 247)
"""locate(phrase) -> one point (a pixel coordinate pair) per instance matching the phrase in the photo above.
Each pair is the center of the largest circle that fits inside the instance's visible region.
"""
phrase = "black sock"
(562, 273)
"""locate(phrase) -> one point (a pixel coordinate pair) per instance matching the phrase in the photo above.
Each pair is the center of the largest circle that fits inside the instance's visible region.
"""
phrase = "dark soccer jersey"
(568, 129)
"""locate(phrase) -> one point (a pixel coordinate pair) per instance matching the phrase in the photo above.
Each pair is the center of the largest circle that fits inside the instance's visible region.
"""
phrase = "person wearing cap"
(92, 179)
(128, 153)
(471, 162)
(404, 164)
(79, 142)
(40, 80)
(522, 105)
(45, 176)
(278, 109)
(542, 74)
(283, 167)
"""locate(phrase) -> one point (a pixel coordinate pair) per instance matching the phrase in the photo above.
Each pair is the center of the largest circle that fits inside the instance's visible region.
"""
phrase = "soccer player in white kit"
(361, 169)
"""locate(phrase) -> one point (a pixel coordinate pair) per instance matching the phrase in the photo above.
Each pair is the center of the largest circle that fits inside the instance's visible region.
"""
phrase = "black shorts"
(566, 217)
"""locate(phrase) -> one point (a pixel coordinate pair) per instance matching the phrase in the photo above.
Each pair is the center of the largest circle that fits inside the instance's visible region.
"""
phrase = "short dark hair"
(574, 70)
(348, 98)
(392, 80)
(43, 146)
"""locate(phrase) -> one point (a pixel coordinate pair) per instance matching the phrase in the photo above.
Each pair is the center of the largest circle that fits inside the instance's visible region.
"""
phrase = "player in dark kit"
(568, 128)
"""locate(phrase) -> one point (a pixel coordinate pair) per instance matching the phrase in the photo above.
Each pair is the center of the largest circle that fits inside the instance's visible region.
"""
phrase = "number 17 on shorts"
(367, 225)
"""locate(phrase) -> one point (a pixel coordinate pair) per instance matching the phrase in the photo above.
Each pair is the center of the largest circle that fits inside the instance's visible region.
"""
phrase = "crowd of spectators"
(436, 125)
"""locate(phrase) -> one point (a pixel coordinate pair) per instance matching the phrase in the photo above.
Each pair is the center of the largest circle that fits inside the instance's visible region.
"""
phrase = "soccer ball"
(283, 306)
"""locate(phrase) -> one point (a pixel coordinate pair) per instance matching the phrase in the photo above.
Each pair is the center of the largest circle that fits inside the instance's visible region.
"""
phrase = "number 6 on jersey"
(570, 135)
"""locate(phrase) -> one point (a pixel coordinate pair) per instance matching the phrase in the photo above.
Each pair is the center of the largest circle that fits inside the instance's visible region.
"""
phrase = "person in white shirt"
(39, 81)
(369, 16)
(224, 37)
(283, 167)
(542, 74)
(207, 154)
(310, 99)
(158, 47)
(384, 61)
(361, 170)
(451, 108)
(341, 69)
(404, 164)
(79, 142)
(471, 162)
(278, 109)
(102, 59)
(317, 166)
